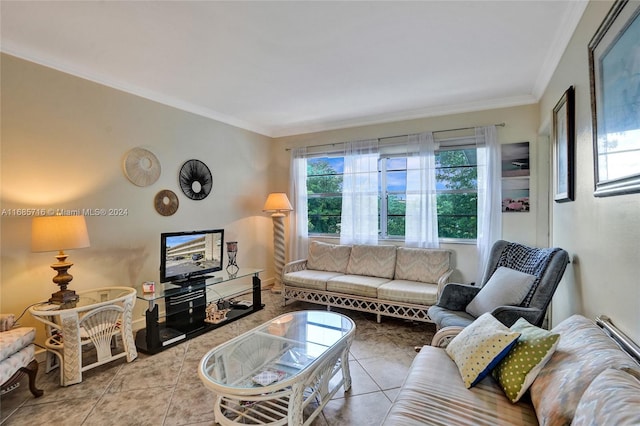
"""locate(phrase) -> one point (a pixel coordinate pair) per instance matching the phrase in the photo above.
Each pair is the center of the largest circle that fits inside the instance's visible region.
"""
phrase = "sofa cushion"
(409, 292)
(613, 398)
(13, 340)
(311, 279)
(433, 393)
(328, 257)
(583, 352)
(506, 287)
(424, 265)
(517, 371)
(17, 360)
(356, 285)
(480, 347)
(372, 261)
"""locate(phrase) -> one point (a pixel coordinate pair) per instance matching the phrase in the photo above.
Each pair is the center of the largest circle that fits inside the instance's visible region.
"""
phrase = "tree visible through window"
(456, 175)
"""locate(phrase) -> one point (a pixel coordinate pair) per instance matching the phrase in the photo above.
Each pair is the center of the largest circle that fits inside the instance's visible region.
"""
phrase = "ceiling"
(283, 68)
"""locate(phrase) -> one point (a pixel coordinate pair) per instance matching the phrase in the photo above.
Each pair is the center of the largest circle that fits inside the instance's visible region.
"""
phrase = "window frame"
(461, 143)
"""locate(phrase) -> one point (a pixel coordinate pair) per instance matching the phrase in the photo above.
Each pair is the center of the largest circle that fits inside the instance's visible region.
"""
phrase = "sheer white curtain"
(359, 222)
(421, 226)
(298, 220)
(489, 194)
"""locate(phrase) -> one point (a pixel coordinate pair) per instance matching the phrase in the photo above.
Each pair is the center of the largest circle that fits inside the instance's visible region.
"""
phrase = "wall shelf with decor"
(188, 312)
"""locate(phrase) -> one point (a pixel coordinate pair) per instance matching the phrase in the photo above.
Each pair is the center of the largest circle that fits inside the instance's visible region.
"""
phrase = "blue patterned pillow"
(480, 347)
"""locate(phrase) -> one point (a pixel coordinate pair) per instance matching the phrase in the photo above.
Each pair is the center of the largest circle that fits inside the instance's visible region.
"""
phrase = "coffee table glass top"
(277, 351)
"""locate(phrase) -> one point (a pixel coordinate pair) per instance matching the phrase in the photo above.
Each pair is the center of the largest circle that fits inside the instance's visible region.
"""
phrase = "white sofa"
(385, 280)
(588, 380)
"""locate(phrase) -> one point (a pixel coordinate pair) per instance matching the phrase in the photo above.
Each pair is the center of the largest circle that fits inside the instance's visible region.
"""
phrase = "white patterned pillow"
(479, 347)
(328, 257)
(517, 371)
(372, 261)
(613, 398)
(424, 265)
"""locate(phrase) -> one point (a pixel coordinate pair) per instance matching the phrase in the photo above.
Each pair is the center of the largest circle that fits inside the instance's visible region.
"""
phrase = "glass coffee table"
(282, 371)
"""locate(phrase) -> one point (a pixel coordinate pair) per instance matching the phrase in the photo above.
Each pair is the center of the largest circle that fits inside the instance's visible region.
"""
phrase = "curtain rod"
(402, 136)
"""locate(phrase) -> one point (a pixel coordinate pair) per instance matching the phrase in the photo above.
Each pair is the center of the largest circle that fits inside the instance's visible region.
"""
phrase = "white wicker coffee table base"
(298, 404)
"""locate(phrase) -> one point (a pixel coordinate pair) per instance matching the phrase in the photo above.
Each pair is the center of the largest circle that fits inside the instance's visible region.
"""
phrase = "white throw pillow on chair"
(506, 287)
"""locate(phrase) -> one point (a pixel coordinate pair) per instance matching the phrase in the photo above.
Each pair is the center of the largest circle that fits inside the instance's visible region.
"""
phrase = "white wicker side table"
(95, 318)
(280, 372)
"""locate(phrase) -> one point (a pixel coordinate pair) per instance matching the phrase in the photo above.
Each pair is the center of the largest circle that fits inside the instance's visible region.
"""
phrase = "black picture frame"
(564, 142)
(614, 73)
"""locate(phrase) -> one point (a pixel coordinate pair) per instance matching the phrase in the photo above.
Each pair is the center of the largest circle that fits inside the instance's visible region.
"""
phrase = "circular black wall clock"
(195, 179)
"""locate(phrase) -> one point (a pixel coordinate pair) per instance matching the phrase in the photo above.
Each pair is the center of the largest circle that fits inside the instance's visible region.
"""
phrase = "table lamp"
(51, 233)
(278, 203)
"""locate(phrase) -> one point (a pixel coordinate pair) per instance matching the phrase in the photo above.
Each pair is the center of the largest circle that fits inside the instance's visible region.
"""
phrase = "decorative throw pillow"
(517, 371)
(613, 398)
(506, 287)
(480, 347)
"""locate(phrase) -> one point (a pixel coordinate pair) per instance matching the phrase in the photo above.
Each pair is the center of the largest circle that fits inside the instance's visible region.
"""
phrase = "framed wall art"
(564, 142)
(515, 177)
(614, 68)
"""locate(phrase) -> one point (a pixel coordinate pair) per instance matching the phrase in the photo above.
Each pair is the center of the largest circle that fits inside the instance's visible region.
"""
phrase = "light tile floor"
(164, 389)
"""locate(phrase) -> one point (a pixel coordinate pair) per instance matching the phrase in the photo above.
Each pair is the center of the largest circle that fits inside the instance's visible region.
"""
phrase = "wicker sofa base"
(376, 306)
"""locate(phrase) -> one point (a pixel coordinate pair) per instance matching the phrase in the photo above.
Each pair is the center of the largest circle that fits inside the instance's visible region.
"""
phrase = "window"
(456, 175)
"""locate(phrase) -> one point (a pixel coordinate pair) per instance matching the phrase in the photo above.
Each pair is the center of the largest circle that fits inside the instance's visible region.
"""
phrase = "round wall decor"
(166, 202)
(141, 167)
(195, 179)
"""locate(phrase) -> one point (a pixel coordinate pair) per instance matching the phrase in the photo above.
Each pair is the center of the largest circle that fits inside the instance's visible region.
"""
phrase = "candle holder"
(232, 251)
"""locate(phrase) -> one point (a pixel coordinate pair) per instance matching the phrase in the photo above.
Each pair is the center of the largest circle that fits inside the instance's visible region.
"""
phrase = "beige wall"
(63, 144)
(601, 234)
(521, 126)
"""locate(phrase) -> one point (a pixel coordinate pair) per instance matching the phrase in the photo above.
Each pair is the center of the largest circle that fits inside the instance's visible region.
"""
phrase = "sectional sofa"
(385, 280)
(583, 378)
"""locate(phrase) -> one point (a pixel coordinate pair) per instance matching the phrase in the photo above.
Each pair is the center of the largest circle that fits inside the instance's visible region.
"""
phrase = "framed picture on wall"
(515, 177)
(614, 69)
(564, 147)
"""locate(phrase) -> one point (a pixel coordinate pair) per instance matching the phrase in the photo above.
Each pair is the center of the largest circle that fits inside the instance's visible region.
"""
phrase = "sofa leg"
(14, 381)
(32, 372)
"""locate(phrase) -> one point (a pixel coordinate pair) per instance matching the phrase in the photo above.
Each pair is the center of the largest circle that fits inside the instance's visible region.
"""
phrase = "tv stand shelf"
(185, 305)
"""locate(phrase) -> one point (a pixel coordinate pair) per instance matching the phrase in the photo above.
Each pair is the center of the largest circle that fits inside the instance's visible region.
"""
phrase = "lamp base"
(62, 297)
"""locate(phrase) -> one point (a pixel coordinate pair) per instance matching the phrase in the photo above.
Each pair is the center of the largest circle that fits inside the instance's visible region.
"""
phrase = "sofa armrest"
(7, 321)
(456, 297)
(508, 315)
(443, 281)
(296, 265)
(443, 336)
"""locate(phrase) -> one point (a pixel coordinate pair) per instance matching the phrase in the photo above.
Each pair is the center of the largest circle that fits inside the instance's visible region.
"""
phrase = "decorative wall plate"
(166, 202)
(141, 167)
(195, 179)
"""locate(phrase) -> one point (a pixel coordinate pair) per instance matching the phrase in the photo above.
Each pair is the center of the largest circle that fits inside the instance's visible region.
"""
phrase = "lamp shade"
(50, 233)
(277, 202)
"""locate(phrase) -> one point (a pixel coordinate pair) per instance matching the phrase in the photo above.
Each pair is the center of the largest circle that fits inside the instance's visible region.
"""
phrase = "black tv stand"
(184, 313)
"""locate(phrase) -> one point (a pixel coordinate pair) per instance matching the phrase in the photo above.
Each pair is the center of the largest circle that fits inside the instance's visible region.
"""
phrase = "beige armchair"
(17, 355)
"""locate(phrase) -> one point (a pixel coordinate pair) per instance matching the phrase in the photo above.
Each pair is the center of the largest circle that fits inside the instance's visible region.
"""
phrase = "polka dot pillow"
(480, 347)
(517, 371)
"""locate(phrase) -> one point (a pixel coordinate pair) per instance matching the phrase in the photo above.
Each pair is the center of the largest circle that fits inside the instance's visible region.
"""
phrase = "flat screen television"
(187, 255)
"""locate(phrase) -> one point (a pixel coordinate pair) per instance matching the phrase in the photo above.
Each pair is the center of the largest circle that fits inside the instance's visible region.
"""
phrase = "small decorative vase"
(232, 251)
